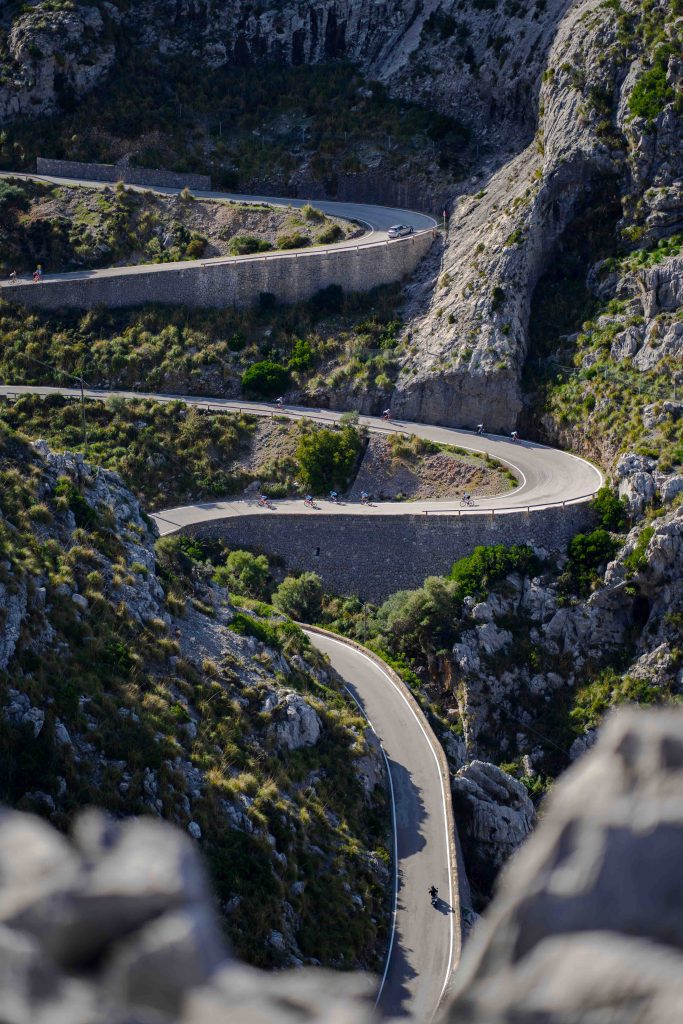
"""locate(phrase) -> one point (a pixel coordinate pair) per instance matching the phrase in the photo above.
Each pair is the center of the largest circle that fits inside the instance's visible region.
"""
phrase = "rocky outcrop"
(119, 925)
(468, 336)
(632, 609)
(51, 55)
(297, 724)
(586, 922)
(494, 815)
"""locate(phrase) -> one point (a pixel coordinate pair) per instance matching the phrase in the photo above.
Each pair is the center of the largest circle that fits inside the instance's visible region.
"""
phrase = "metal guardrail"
(507, 510)
(316, 417)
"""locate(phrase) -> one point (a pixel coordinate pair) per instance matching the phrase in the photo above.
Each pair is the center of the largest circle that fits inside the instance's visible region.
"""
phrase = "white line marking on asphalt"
(443, 802)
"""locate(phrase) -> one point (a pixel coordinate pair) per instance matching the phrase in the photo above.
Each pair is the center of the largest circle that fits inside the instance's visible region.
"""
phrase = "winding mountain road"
(377, 220)
(425, 942)
(546, 476)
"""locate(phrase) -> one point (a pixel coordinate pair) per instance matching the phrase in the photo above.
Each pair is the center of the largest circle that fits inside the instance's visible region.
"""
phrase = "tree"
(265, 379)
(300, 598)
(326, 457)
(244, 574)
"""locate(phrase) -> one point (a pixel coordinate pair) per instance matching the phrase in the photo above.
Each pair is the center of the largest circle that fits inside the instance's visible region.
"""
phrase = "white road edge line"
(445, 812)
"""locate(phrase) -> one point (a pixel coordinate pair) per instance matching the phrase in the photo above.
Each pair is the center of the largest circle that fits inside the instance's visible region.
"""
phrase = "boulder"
(494, 815)
(296, 723)
(635, 481)
(587, 924)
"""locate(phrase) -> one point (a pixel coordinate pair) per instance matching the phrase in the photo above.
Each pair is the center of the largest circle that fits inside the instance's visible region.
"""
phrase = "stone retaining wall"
(374, 556)
(239, 282)
(122, 172)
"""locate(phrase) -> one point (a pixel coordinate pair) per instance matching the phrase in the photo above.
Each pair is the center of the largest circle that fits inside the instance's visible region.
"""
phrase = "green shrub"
(265, 379)
(651, 92)
(587, 553)
(244, 573)
(196, 248)
(331, 234)
(476, 573)
(84, 514)
(310, 213)
(637, 560)
(295, 241)
(418, 621)
(300, 598)
(245, 625)
(327, 457)
(301, 357)
(611, 510)
(245, 245)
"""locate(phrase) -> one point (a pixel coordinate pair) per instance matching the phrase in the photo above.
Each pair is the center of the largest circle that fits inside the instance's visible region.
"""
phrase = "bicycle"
(467, 503)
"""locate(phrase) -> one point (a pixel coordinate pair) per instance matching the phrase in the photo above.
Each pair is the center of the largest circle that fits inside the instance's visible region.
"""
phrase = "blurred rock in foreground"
(587, 925)
(117, 925)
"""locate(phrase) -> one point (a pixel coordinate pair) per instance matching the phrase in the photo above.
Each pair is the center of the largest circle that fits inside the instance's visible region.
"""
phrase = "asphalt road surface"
(376, 219)
(545, 476)
(425, 944)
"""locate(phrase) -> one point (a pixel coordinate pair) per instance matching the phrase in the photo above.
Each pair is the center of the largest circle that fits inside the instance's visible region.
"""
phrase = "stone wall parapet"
(373, 556)
(145, 176)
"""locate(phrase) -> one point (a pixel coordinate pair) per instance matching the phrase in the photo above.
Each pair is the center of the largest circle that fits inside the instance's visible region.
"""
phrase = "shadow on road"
(443, 907)
(396, 997)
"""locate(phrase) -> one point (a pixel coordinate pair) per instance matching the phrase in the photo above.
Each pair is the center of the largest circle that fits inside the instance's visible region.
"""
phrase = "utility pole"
(81, 382)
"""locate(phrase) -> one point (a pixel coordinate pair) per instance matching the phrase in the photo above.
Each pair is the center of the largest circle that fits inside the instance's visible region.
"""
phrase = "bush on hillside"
(295, 241)
(477, 573)
(327, 457)
(300, 598)
(265, 379)
(244, 574)
(587, 552)
(417, 621)
(611, 510)
(245, 245)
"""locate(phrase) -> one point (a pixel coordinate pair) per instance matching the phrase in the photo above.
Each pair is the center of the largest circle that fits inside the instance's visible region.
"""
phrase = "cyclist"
(386, 415)
(308, 501)
(263, 501)
(514, 435)
(364, 498)
(334, 496)
(480, 428)
(279, 403)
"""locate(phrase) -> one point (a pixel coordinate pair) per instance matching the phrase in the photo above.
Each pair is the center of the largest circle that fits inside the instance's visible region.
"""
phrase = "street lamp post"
(81, 382)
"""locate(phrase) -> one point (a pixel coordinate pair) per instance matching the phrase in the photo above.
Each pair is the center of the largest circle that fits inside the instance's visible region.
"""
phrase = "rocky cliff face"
(479, 62)
(468, 336)
(532, 661)
(586, 924)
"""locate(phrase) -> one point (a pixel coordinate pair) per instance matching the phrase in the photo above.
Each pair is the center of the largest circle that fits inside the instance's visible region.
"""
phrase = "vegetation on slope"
(147, 691)
(71, 228)
(332, 343)
(246, 126)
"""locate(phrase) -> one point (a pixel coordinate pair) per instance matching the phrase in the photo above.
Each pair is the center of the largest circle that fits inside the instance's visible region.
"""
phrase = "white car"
(400, 231)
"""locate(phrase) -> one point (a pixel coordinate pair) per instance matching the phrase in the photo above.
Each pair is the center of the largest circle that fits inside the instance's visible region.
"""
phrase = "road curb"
(456, 867)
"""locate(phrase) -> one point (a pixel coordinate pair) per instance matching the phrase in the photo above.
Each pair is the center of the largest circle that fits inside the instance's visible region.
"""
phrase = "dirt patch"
(398, 469)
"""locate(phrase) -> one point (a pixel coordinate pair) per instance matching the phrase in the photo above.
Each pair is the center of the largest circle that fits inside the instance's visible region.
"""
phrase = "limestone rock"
(587, 923)
(494, 815)
(636, 482)
(20, 711)
(297, 724)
